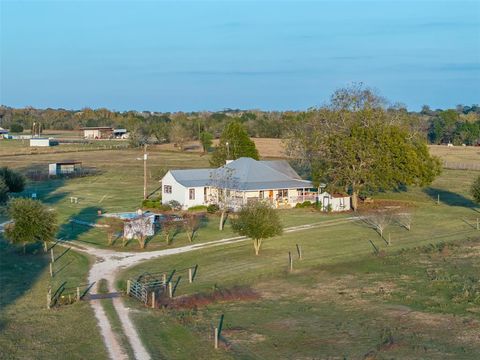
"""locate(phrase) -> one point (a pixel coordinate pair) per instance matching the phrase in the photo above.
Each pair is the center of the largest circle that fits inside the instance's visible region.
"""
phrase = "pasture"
(340, 300)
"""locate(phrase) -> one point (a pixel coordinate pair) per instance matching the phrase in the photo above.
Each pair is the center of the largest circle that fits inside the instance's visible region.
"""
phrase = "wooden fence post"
(78, 293)
(438, 199)
(170, 292)
(164, 279)
(53, 256)
(299, 251)
(128, 287)
(51, 270)
(153, 299)
(190, 275)
(290, 260)
(215, 341)
(49, 297)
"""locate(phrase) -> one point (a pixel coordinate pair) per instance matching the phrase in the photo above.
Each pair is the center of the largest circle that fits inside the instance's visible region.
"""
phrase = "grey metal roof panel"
(282, 166)
(245, 174)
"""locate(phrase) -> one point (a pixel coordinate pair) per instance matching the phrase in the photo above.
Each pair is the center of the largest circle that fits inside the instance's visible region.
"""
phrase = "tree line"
(458, 126)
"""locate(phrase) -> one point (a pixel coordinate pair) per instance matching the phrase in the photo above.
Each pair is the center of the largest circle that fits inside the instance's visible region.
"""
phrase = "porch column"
(303, 195)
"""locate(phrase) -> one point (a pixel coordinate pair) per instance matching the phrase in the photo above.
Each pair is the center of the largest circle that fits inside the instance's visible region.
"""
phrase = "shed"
(64, 167)
(40, 142)
(97, 132)
(334, 202)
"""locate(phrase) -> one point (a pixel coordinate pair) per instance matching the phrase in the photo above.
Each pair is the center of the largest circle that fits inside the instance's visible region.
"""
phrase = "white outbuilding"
(334, 202)
(42, 142)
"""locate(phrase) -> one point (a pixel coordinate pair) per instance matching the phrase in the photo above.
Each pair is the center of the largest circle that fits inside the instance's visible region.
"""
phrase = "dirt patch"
(237, 293)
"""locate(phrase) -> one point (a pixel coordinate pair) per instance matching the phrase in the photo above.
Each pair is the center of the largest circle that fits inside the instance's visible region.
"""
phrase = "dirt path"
(108, 264)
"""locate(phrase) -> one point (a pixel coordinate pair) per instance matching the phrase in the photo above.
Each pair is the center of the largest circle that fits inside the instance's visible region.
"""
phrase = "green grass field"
(340, 301)
(28, 330)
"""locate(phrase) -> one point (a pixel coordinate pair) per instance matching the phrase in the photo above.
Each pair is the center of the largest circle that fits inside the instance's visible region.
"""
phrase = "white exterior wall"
(91, 134)
(39, 142)
(335, 202)
(180, 193)
(52, 169)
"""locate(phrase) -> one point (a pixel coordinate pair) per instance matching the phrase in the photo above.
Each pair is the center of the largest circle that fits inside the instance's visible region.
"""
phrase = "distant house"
(334, 202)
(243, 180)
(64, 167)
(42, 142)
(97, 132)
(3, 133)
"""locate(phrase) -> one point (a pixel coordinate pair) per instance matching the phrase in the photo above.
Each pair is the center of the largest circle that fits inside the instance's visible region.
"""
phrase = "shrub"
(16, 128)
(198, 208)
(475, 189)
(213, 208)
(13, 179)
(304, 204)
(175, 205)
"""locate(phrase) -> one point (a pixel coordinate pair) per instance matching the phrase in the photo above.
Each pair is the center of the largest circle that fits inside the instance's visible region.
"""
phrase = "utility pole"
(228, 151)
(145, 172)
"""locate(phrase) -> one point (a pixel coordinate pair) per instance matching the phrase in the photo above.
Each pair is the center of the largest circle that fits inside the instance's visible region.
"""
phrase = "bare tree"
(139, 228)
(113, 226)
(378, 219)
(168, 227)
(191, 223)
(404, 219)
(223, 183)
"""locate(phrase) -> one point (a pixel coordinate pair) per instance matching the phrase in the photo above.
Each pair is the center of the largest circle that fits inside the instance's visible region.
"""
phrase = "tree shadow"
(450, 198)
(18, 272)
(72, 229)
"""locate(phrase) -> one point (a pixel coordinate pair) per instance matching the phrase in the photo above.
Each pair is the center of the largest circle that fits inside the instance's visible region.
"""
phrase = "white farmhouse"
(244, 180)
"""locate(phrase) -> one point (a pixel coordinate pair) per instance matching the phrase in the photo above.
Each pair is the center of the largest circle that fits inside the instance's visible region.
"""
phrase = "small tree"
(16, 128)
(13, 179)
(31, 222)
(475, 189)
(221, 182)
(378, 219)
(258, 221)
(206, 141)
(234, 143)
(113, 226)
(168, 227)
(191, 223)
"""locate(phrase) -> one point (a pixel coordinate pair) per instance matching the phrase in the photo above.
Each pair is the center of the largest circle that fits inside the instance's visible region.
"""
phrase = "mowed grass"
(28, 330)
(341, 300)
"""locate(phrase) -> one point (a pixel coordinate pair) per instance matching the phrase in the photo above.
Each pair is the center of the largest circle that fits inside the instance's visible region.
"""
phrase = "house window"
(167, 189)
(282, 193)
(191, 194)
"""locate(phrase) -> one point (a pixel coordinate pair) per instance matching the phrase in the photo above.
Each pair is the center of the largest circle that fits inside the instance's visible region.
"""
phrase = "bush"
(3, 191)
(475, 190)
(213, 208)
(305, 204)
(13, 179)
(16, 128)
(198, 208)
(175, 205)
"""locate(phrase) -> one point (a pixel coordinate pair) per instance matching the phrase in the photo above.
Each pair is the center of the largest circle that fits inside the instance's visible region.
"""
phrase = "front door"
(270, 194)
(326, 203)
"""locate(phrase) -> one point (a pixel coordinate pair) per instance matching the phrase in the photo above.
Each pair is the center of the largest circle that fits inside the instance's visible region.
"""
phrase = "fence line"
(461, 166)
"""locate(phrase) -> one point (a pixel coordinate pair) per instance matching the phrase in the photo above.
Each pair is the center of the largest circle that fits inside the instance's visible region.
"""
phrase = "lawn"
(28, 330)
(341, 300)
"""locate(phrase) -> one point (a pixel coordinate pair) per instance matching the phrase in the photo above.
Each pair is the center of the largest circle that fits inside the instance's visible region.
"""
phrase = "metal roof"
(244, 174)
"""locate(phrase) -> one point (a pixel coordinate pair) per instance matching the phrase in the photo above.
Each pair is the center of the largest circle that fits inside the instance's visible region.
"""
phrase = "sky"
(212, 55)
